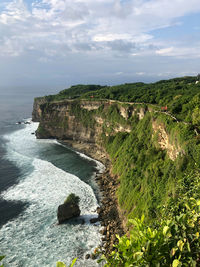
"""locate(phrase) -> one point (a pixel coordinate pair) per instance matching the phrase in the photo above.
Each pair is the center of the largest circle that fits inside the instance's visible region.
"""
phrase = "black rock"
(67, 211)
(94, 220)
(87, 256)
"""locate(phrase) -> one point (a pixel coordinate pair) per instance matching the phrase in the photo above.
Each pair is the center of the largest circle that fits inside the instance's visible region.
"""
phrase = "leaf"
(176, 263)
(180, 245)
(188, 247)
(2, 257)
(142, 218)
(173, 251)
(73, 262)
(60, 264)
(138, 255)
(187, 206)
(127, 243)
(165, 230)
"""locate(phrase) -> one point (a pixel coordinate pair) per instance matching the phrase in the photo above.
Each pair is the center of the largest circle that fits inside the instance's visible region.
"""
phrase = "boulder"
(67, 211)
(94, 220)
(87, 256)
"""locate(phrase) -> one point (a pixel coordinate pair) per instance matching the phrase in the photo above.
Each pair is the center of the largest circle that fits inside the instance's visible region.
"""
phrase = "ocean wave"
(33, 239)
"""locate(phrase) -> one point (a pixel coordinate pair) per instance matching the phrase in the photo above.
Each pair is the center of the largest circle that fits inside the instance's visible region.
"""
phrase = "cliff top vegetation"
(180, 96)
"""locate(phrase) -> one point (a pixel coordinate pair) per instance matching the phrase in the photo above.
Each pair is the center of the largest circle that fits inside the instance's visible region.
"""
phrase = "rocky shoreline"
(109, 213)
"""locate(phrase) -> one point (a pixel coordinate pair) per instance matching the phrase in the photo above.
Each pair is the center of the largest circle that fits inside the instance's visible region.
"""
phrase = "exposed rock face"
(37, 112)
(173, 150)
(59, 120)
(67, 211)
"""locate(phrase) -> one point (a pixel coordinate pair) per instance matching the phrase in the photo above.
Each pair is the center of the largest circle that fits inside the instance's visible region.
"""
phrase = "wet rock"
(103, 231)
(98, 210)
(87, 256)
(94, 220)
(69, 209)
(93, 256)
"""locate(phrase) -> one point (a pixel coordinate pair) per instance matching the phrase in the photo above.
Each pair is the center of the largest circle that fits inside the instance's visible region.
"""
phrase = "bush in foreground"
(172, 241)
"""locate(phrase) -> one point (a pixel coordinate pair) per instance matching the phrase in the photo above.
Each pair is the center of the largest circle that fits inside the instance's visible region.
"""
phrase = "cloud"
(180, 52)
(56, 27)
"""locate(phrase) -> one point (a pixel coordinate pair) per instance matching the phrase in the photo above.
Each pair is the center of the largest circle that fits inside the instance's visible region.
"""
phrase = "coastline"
(109, 213)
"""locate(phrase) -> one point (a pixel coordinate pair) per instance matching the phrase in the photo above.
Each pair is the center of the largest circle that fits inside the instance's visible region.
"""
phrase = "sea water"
(35, 177)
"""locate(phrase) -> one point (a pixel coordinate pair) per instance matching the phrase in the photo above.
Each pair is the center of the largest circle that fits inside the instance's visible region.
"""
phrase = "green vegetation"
(180, 95)
(61, 264)
(1, 258)
(159, 188)
(173, 241)
(83, 115)
(72, 198)
(73, 92)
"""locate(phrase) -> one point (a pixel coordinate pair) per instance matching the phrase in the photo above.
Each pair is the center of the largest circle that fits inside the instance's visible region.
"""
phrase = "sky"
(53, 44)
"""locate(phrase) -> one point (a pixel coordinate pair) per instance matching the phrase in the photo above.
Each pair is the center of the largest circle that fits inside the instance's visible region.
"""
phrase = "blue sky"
(57, 43)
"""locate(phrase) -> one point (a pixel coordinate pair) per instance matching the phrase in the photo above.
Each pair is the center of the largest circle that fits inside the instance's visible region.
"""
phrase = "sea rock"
(67, 211)
(87, 256)
(94, 220)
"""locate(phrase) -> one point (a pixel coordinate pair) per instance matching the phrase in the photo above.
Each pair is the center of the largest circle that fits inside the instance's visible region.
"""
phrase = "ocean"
(35, 177)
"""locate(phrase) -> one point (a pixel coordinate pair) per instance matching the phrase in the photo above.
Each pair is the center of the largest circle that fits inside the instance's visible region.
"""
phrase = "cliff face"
(173, 150)
(83, 120)
(37, 112)
(58, 121)
(86, 121)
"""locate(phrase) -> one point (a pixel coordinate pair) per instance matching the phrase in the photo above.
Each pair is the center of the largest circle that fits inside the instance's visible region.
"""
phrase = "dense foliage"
(74, 91)
(180, 95)
(174, 241)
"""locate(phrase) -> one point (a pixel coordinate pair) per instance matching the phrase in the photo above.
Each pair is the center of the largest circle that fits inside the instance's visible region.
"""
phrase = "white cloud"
(140, 73)
(165, 51)
(88, 25)
(180, 52)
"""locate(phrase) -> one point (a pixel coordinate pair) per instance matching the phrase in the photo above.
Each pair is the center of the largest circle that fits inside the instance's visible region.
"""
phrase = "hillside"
(151, 134)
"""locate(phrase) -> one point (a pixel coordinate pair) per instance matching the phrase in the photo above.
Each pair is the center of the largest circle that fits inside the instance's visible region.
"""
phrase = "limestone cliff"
(37, 112)
(82, 120)
(86, 121)
(173, 149)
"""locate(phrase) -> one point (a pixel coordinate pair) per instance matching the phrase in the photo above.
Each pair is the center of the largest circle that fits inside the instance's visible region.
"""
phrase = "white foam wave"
(32, 239)
(48, 186)
(100, 166)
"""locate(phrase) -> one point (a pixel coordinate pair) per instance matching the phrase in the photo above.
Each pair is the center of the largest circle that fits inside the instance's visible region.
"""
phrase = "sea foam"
(33, 238)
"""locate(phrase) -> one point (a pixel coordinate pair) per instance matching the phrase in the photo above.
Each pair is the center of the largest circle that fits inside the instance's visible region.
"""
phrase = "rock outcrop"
(37, 111)
(67, 211)
(173, 150)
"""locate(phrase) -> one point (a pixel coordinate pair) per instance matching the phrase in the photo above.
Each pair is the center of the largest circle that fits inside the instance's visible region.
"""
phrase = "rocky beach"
(109, 213)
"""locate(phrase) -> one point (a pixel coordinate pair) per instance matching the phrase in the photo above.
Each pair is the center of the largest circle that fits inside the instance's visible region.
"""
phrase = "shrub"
(72, 198)
(174, 241)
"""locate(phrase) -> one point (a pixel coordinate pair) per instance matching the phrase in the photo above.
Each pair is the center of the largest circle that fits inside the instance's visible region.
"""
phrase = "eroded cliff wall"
(86, 121)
